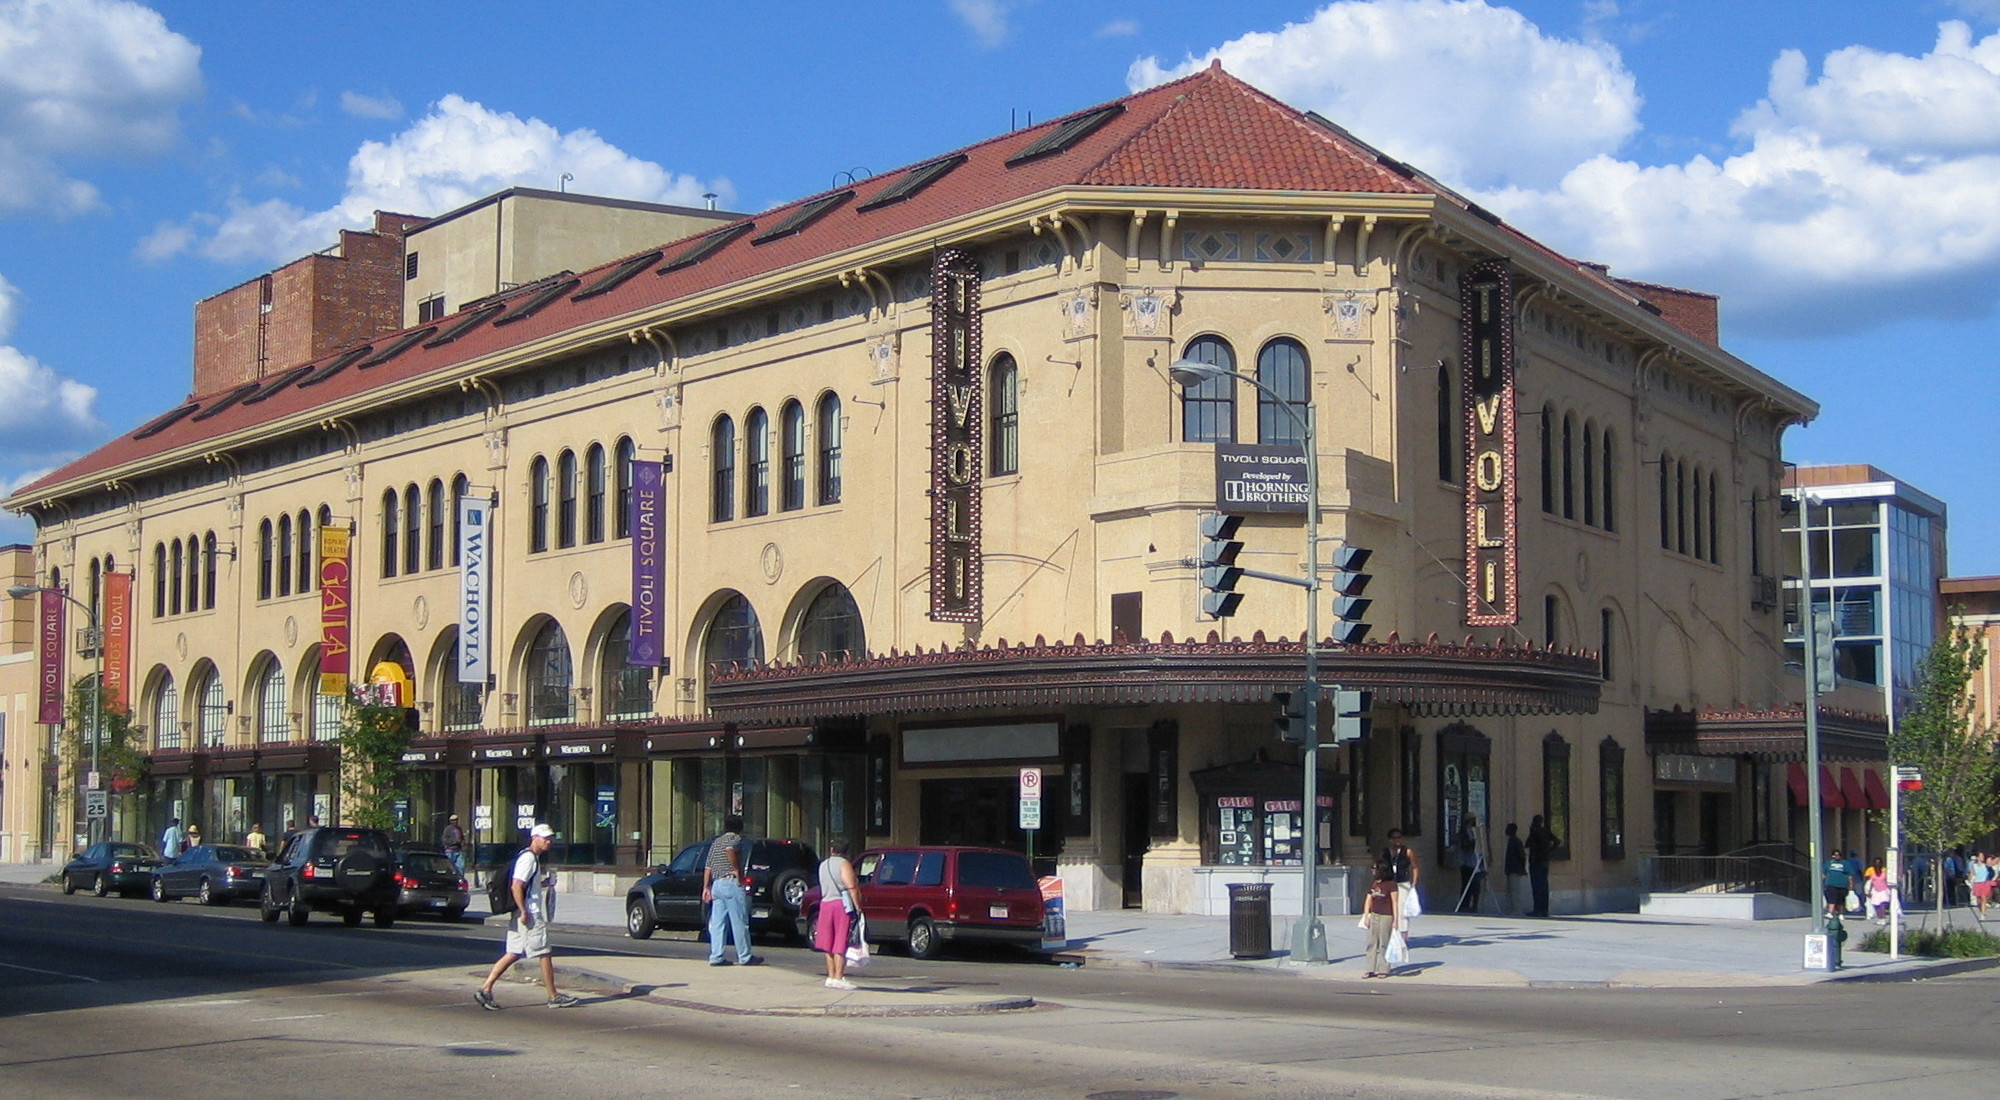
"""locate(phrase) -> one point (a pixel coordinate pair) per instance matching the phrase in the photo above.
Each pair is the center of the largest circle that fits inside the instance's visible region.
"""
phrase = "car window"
(196, 854)
(930, 869)
(998, 870)
(865, 871)
(341, 843)
(233, 854)
(690, 860)
(896, 869)
(126, 851)
(430, 863)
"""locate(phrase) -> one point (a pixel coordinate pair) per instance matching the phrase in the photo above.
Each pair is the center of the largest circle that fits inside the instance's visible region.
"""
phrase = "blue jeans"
(729, 912)
(457, 860)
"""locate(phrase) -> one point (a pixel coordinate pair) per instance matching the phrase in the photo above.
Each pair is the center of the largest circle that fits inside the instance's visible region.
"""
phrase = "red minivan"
(926, 897)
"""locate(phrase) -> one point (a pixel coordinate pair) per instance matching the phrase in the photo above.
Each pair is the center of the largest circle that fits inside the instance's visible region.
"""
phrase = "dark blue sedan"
(111, 867)
(214, 874)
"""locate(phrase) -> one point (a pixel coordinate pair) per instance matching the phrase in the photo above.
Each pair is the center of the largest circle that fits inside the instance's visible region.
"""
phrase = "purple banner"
(649, 555)
(49, 645)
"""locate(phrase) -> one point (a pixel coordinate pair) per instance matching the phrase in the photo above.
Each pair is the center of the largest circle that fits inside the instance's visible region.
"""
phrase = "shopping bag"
(857, 943)
(1399, 949)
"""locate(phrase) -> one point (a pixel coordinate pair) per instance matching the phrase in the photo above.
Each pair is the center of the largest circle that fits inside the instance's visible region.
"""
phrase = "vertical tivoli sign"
(1486, 326)
(956, 438)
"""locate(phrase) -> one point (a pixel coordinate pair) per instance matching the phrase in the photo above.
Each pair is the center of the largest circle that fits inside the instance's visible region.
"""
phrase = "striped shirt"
(719, 867)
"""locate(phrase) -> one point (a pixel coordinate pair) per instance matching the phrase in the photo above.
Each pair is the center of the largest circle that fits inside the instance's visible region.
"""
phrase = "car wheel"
(297, 912)
(102, 885)
(69, 884)
(351, 917)
(923, 939)
(638, 924)
(385, 918)
(159, 888)
(267, 906)
(790, 889)
(205, 894)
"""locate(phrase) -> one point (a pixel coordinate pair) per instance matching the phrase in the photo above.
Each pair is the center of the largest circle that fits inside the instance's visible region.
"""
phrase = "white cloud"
(167, 239)
(40, 410)
(1468, 92)
(367, 106)
(458, 152)
(1863, 195)
(84, 78)
(1119, 28)
(1988, 10)
(987, 19)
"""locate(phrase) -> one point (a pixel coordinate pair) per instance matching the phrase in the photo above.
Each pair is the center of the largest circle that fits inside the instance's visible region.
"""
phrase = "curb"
(640, 989)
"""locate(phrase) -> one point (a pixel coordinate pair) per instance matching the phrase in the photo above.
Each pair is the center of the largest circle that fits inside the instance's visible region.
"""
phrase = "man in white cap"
(528, 928)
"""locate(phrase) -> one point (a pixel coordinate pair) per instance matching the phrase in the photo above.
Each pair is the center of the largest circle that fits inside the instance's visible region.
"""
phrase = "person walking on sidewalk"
(839, 901)
(1516, 868)
(452, 840)
(1835, 886)
(1402, 864)
(171, 840)
(534, 888)
(1471, 846)
(722, 889)
(1379, 913)
(1542, 846)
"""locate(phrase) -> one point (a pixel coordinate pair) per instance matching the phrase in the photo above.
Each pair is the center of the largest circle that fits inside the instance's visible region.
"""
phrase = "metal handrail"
(1731, 874)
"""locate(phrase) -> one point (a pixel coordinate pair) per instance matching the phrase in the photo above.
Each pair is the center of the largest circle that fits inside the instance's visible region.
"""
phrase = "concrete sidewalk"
(1613, 950)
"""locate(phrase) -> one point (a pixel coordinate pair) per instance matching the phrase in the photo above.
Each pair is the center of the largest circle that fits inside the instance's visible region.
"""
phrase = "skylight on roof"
(165, 420)
(1067, 134)
(465, 324)
(803, 216)
(533, 305)
(335, 367)
(618, 275)
(228, 399)
(279, 383)
(707, 246)
(913, 181)
(402, 344)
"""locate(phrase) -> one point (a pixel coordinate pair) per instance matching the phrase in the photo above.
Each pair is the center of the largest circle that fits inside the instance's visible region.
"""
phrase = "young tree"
(121, 752)
(373, 740)
(1947, 738)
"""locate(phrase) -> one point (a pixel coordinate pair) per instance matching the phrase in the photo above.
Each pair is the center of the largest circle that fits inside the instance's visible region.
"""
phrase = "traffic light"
(1290, 721)
(1351, 721)
(1822, 642)
(1348, 581)
(1216, 565)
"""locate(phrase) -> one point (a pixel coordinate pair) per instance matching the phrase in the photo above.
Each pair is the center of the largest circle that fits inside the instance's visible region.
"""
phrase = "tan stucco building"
(928, 514)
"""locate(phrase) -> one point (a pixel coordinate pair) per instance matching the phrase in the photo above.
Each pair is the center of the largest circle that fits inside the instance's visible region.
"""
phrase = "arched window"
(459, 702)
(538, 505)
(159, 580)
(626, 691)
(174, 583)
(273, 705)
(621, 469)
(566, 499)
(734, 636)
(831, 625)
(549, 676)
(434, 530)
(1281, 365)
(1590, 473)
(1549, 459)
(1714, 537)
(1605, 478)
(194, 574)
(1208, 411)
(1604, 624)
(722, 457)
(284, 569)
(96, 602)
(1447, 426)
(1698, 515)
(756, 463)
(1551, 610)
(1681, 507)
(214, 710)
(1569, 466)
(308, 537)
(391, 524)
(792, 456)
(1666, 502)
(593, 493)
(461, 486)
(264, 549)
(413, 529)
(828, 422)
(167, 714)
(1003, 404)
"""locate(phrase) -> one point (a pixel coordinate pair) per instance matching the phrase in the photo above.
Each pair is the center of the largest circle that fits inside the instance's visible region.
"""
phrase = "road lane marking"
(56, 973)
(274, 1019)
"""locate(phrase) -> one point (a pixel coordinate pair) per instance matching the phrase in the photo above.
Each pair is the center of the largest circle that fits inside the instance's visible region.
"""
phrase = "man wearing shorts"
(528, 927)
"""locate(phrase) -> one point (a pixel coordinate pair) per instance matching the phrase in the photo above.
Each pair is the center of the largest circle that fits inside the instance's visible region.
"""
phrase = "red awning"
(1878, 795)
(1829, 789)
(1850, 789)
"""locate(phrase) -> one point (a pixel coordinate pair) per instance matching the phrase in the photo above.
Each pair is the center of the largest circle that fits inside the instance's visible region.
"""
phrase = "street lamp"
(22, 592)
(1309, 938)
(1811, 672)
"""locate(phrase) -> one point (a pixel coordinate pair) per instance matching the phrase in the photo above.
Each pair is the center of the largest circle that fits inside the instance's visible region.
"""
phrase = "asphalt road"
(103, 997)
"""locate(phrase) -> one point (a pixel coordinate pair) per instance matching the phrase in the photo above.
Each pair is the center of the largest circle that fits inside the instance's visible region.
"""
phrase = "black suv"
(334, 869)
(781, 871)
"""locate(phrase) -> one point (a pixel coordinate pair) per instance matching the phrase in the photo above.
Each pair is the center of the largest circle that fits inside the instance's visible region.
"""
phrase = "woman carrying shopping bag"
(1378, 915)
(839, 908)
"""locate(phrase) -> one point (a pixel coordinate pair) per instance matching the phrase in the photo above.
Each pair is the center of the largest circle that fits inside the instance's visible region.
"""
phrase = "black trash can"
(1250, 920)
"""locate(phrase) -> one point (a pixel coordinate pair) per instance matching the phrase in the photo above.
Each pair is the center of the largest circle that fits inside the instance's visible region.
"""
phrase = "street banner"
(117, 641)
(335, 611)
(49, 645)
(648, 641)
(474, 636)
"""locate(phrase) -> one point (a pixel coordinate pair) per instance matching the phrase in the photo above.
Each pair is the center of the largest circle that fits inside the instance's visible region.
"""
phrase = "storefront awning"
(1829, 787)
(1430, 678)
(1776, 734)
(1850, 789)
(1871, 785)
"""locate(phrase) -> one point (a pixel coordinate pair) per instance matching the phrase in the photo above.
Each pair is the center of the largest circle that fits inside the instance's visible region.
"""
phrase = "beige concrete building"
(22, 741)
(842, 514)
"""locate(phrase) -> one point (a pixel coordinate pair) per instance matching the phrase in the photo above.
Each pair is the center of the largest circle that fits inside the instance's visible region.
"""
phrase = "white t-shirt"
(540, 891)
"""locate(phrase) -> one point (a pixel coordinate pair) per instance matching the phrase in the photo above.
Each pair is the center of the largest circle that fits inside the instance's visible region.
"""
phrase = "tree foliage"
(1945, 736)
(121, 750)
(373, 740)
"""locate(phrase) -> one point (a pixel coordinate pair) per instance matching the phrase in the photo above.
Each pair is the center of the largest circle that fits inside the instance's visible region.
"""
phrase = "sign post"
(1031, 806)
(1900, 780)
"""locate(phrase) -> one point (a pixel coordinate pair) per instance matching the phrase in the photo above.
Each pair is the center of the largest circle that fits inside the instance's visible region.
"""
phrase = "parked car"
(111, 867)
(214, 874)
(926, 897)
(340, 869)
(670, 897)
(427, 881)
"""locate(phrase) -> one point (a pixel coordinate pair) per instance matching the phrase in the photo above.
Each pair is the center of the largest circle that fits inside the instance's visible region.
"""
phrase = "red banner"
(117, 642)
(49, 646)
(334, 619)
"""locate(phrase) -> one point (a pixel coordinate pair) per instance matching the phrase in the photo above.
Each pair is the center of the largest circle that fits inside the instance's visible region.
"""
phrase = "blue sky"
(1825, 165)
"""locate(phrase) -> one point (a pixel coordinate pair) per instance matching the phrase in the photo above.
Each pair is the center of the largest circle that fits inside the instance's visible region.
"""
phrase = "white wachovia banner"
(473, 634)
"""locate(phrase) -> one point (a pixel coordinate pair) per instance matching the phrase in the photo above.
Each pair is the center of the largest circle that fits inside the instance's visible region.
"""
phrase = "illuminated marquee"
(956, 442)
(1486, 325)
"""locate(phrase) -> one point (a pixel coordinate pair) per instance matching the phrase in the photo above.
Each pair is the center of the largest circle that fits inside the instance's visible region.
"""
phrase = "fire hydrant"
(1836, 934)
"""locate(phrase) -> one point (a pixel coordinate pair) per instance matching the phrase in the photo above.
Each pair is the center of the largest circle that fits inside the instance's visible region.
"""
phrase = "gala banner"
(334, 611)
(117, 627)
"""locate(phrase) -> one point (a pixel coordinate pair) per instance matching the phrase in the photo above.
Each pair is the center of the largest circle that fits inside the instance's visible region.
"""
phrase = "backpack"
(500, 890)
